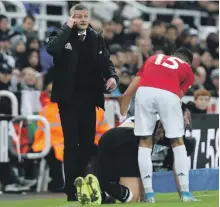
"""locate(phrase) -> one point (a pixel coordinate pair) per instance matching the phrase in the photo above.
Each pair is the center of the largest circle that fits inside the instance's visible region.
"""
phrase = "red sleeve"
(188, 81)
(141, 70)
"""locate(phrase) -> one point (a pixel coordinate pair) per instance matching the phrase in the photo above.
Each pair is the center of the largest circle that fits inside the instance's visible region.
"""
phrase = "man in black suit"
(82, 71)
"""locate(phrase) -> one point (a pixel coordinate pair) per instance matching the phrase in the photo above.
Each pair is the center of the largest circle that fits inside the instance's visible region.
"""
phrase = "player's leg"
(145, 163)
(171, 116)
(190, 145)
(145, 121)
(128, 169)
(108, 175)
(135, 185)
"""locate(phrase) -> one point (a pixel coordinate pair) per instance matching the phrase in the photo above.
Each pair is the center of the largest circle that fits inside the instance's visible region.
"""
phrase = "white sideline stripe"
(207, 195)
(199, 196)
(171, 198)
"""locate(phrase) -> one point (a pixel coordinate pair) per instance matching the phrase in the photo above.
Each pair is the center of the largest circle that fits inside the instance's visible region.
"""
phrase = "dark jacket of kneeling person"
(80, 70)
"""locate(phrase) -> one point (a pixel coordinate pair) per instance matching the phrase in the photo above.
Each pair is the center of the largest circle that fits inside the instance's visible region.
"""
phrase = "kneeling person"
(118, 172)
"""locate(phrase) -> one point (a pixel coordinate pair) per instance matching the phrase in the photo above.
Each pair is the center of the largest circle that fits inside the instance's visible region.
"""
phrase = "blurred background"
(133, 31)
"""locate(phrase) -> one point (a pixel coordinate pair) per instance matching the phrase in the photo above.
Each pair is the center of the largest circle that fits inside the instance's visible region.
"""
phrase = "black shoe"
(109, 200)
(71, 198)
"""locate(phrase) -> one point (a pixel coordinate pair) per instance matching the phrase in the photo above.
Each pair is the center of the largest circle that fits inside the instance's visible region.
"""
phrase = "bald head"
(201, 75)
(97, 25)
(201, 70)
(179, 23)
(136, 25)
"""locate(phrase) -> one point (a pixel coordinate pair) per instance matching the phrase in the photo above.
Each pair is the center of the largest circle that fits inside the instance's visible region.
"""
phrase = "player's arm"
(129, 93)
(187, 82)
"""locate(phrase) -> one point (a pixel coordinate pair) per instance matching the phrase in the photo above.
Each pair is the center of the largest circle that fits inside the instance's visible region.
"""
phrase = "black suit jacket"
(65, 64)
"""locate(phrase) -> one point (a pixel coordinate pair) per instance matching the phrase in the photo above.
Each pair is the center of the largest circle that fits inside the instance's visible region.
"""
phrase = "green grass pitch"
(208, 199)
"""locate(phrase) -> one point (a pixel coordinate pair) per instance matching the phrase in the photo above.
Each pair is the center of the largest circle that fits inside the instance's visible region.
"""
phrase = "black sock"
(117, 191)
(125, 193)
(107, 199)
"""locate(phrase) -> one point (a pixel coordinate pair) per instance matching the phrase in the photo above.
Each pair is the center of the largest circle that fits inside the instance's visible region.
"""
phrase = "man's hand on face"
(71, 22)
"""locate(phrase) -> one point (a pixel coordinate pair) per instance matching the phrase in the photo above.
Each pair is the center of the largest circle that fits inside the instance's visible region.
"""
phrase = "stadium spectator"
(24, 31)
(206, 61)
(209, 6)
(5, 76)
(171, 35)
(4, 27)
(101, 125)
(196, 60)
(159, 41)
(20, 54)
(39, 82)
(108, 33)
(33, 60)
(97, 25)
(121, 59)
(5, 52)
(179, 23)
(199, 80)
(212, 41)
(6, 45)
(201, 102)
(145, 47)
(27, 28)
(55, 157)
(10, 181)
(145, 31)
(118, 28)
(15, 83)
(215, 81)
(33, 43)
(116, 55)
(135, 29)
(28, 79)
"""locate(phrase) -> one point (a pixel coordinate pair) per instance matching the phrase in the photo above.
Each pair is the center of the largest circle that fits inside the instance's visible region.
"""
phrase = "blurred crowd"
(208, 6)
(130, 49)
(25, 64)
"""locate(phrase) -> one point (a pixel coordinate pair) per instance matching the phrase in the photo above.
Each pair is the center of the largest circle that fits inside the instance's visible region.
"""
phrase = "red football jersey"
(167, 73)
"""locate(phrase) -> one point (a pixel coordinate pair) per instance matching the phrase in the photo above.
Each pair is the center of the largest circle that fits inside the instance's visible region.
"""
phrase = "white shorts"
(150, 101)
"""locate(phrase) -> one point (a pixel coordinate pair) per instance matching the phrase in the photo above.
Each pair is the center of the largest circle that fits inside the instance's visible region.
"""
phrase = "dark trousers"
(7, 176)
(55, 171)
(108, 174)
(79, 123)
